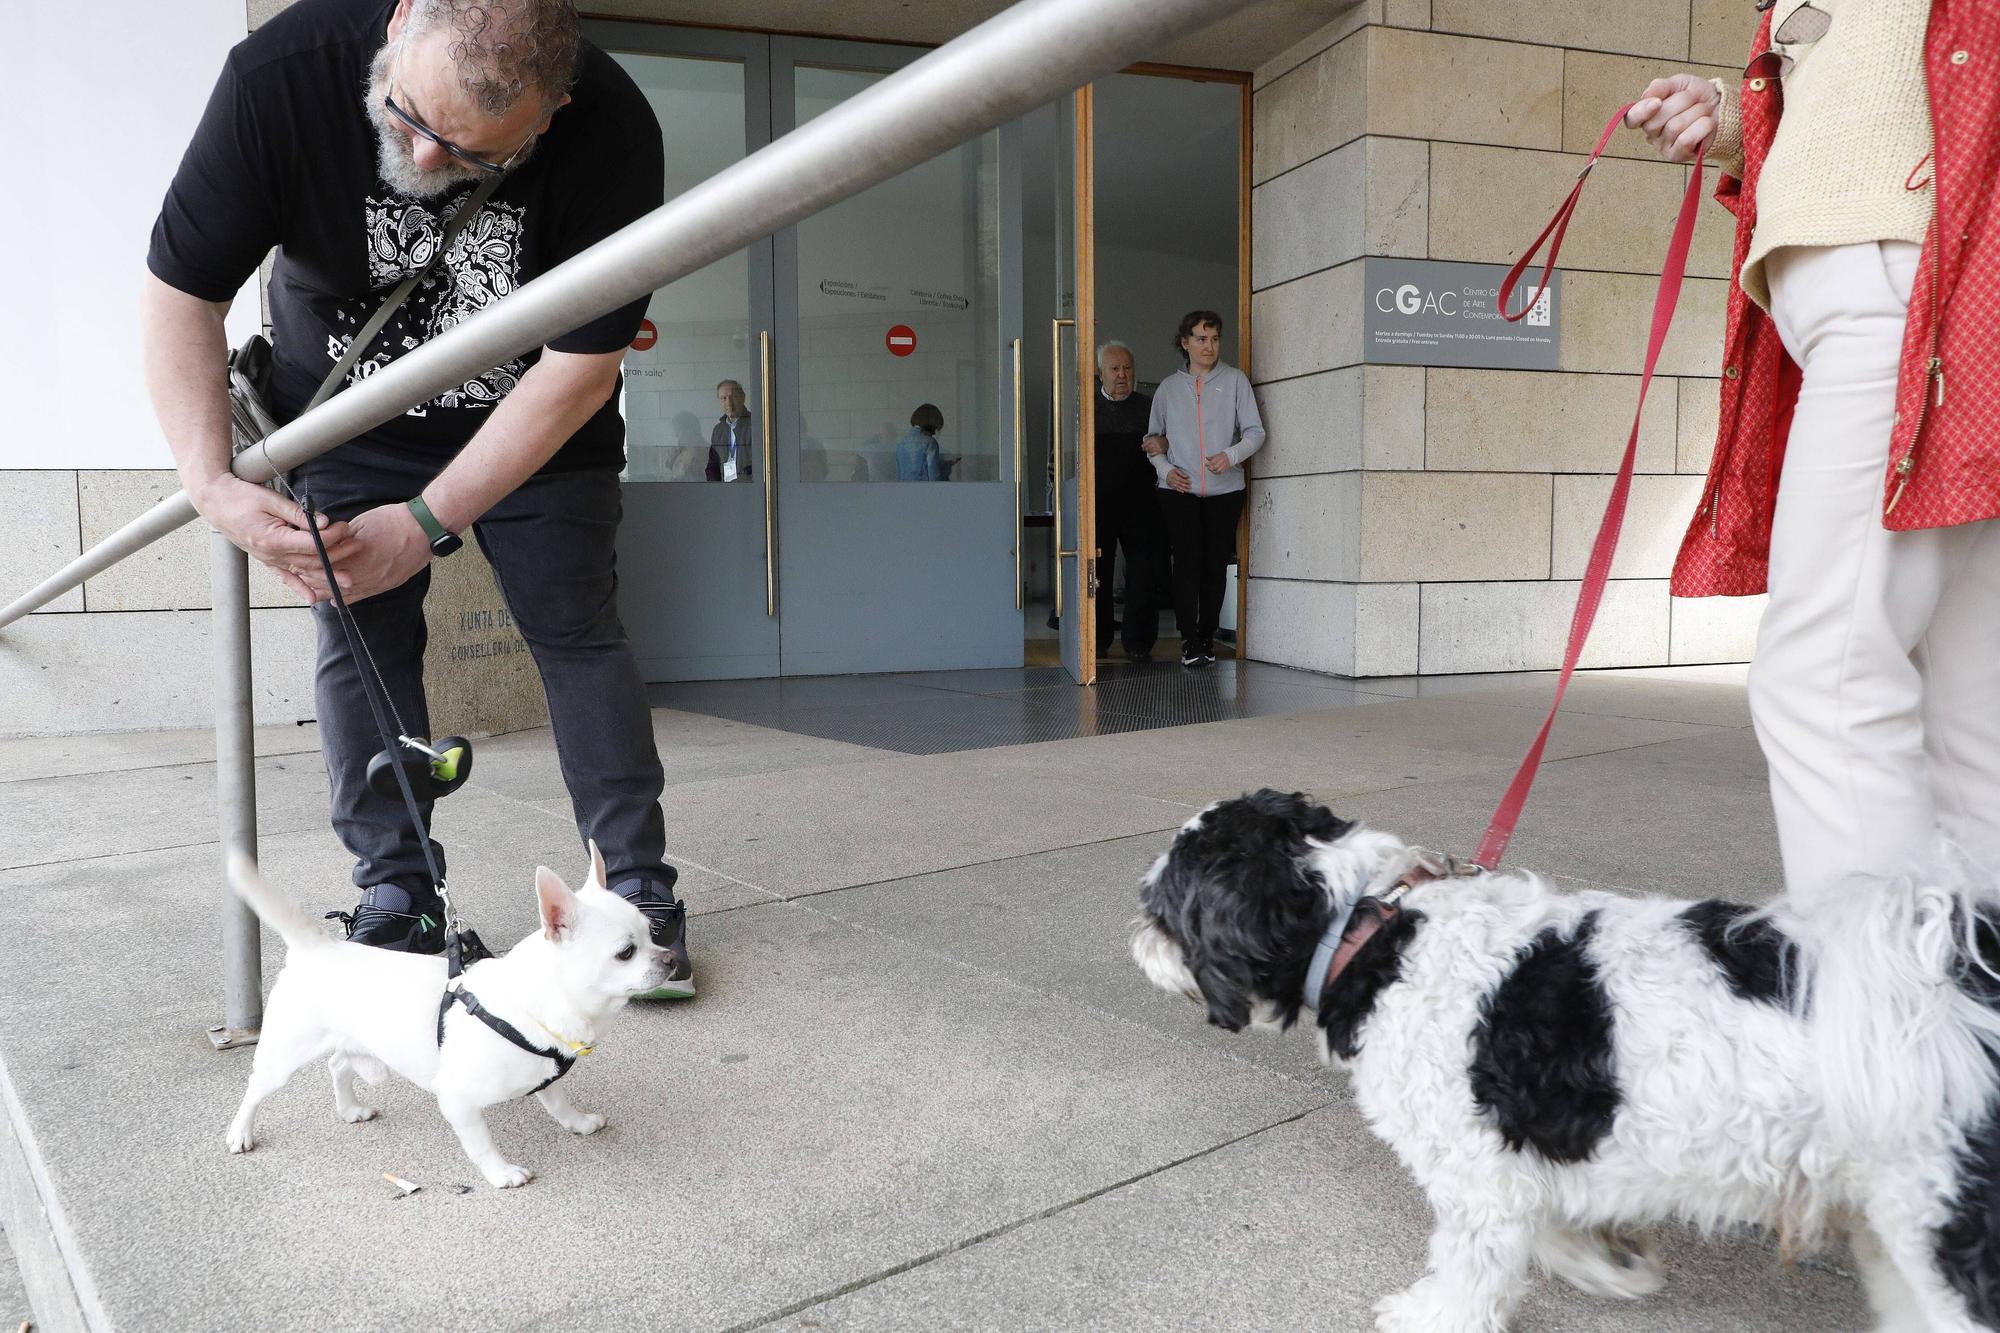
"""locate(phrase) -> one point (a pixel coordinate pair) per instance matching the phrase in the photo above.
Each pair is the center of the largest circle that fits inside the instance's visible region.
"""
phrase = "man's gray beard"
(395, 158)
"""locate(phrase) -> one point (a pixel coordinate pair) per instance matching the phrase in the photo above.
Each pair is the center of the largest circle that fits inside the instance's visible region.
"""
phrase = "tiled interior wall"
(1437, 520)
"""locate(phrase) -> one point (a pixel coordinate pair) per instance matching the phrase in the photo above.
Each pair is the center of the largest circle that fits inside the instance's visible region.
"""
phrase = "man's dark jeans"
(1130, 520)
(552, 547)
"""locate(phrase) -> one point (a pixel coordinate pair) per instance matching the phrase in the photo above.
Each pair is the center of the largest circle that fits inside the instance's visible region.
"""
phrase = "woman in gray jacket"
(1204, 424)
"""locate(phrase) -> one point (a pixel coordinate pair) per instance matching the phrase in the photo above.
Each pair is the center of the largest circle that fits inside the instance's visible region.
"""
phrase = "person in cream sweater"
(1857, 468)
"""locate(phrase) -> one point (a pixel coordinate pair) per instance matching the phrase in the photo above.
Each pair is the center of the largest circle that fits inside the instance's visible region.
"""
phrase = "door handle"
(770, 480)
(1056, 327)
(1020, 401)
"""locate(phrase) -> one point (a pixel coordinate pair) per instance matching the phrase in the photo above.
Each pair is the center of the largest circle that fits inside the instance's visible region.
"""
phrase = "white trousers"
(1876, 685)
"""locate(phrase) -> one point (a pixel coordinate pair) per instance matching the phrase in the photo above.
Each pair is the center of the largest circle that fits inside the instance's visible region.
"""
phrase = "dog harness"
(565, 1060)
(1361, 923)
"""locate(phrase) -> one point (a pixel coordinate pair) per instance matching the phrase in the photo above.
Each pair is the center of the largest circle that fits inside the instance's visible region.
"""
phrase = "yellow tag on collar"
(573, 1047)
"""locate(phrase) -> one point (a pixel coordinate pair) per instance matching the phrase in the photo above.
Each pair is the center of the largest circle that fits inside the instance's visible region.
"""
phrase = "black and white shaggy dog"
(1559, 1070)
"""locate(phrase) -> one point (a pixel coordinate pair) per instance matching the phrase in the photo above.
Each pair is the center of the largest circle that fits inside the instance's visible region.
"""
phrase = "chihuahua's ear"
(558, 903)
(596, 877)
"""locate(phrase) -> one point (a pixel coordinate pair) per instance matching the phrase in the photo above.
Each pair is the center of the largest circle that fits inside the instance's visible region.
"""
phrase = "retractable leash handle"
(1501, 830)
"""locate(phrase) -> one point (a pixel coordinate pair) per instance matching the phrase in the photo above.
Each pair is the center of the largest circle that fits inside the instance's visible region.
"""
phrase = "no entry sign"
(649, 333)
(901, 340)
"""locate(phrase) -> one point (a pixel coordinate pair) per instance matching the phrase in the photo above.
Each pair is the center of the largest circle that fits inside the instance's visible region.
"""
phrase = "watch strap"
(433, 530)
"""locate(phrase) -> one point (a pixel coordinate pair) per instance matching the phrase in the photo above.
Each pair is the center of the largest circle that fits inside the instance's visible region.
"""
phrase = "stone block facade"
(1436, 520)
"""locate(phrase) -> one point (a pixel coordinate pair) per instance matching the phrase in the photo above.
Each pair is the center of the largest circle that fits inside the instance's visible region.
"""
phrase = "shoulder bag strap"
(366, 337)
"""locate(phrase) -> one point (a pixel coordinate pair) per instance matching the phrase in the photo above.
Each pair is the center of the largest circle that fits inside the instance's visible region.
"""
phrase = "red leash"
(1501, 830)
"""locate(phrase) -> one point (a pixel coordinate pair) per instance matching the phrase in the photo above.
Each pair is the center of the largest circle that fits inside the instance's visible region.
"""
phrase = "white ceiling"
(1241, 42)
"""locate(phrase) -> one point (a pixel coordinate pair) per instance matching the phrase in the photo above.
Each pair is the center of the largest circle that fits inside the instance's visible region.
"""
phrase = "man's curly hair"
(505, 49)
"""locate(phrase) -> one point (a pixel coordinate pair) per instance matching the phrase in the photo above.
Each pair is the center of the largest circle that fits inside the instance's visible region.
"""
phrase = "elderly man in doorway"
(729, 442)
(1127, 514)
(1203, 426)
(347, 135)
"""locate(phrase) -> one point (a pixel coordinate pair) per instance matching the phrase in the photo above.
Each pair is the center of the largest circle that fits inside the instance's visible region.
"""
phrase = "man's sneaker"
(1190, 653)
(669, 926)
(1208, 654)
(384, 928)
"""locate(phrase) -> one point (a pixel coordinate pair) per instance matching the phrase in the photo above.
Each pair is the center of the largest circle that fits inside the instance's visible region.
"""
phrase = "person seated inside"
(729, 442)
(917, 455)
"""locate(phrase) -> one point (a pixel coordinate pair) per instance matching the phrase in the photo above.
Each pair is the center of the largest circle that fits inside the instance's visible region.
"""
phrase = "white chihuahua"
(366, 1009)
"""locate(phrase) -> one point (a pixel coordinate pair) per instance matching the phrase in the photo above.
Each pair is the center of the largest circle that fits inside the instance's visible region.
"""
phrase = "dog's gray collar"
(1323, 958)
(1416, 866)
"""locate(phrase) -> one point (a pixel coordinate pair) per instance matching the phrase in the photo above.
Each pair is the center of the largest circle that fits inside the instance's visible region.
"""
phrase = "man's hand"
(1218, 464)
(1179, 480)
(1677, 115)
(272, 529)
(1156, 445)
(388, 546)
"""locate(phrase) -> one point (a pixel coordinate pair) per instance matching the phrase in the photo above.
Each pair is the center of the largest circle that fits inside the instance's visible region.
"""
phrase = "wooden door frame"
(1087, 554)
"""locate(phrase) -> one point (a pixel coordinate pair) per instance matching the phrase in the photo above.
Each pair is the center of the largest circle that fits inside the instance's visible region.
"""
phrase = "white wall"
(103, 98)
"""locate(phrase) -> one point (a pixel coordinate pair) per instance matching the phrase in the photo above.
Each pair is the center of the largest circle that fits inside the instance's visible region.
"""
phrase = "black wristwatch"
(443, 542)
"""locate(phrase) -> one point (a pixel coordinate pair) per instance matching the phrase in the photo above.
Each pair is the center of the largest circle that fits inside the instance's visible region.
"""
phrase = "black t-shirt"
(1123, 470)
(285, 156)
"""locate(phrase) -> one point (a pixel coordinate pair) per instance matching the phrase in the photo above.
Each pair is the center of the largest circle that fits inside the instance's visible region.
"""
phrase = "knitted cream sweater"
(1856, 125)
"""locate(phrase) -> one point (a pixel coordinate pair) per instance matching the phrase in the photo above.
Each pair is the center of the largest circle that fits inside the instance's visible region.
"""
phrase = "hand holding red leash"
(1678, 115)
(1598, 572)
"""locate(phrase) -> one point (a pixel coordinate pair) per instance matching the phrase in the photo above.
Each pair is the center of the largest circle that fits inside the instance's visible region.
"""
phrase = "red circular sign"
(902, 340)
(648, 334)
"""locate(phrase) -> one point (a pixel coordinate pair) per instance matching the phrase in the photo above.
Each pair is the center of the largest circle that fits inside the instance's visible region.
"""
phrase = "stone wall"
(1429, 520)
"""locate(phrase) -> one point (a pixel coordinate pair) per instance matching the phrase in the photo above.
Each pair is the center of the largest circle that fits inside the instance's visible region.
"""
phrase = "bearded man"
(348, 135)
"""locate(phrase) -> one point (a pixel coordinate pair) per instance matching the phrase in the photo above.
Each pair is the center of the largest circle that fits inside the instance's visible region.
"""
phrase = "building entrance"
(861, 444)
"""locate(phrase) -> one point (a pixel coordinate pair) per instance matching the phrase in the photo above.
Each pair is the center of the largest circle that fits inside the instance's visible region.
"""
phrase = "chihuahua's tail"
(273, 908)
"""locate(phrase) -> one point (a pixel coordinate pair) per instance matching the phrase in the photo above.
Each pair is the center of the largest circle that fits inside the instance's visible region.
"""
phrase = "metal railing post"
(235, 790)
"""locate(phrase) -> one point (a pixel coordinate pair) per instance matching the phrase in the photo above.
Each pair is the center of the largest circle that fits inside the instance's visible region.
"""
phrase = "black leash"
(462, 948)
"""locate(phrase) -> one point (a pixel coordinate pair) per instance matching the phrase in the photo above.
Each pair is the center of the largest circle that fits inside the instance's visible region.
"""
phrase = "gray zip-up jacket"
(1214, 415)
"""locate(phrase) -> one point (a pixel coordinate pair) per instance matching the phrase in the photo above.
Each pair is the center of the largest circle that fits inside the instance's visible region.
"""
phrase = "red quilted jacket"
(1944, 456)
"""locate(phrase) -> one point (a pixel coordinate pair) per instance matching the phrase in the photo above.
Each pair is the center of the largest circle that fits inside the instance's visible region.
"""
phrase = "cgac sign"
(1428, 312)
(1409, 299)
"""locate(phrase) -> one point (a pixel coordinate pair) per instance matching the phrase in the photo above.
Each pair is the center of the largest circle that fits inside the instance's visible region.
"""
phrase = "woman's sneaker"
(1190, 653)
(668, 918)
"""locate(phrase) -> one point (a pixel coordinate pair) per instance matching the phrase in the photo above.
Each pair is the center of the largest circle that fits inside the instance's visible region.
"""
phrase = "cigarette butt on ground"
(408, 1187)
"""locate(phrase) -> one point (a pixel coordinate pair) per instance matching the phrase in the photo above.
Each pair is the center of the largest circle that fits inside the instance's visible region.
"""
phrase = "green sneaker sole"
(673, 990)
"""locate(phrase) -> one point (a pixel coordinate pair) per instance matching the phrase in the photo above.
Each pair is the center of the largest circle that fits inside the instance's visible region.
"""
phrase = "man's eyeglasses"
(417, 127)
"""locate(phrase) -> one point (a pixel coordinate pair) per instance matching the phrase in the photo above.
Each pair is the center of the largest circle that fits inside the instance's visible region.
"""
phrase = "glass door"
(895, 371)
(696, 544)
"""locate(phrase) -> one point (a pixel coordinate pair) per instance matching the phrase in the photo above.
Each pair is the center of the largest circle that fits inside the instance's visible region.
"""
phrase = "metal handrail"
(1018, 60)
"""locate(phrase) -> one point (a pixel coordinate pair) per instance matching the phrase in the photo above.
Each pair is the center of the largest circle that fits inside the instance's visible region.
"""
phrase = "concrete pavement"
(922, 1088)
